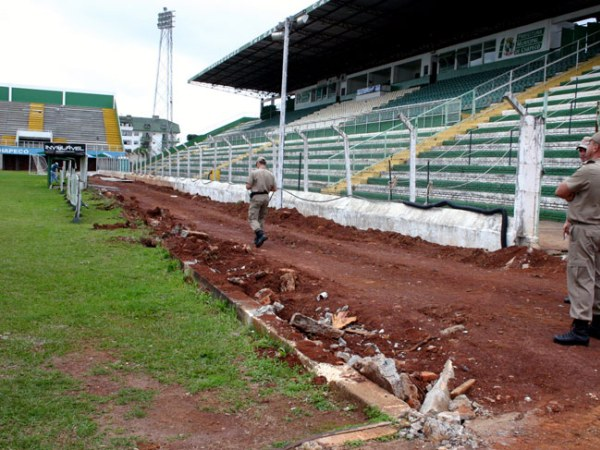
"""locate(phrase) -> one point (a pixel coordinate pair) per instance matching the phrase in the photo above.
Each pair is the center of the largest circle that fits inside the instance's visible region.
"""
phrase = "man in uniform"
(582, 191)
(260, 183)
(581, 150)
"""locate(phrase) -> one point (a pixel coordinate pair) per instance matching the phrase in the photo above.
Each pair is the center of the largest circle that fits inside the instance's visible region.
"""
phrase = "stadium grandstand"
(31, 117)
(357, 67)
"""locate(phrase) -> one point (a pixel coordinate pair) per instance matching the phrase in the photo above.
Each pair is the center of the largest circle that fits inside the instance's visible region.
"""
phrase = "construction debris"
(382, 371)
(438, 398)
(322, 296)
(360, 331)
(311, 326)
(264, 296)
(288, 280)
(462, 389)
(198, 234)
(238, 281)
(340, 320)
(451, 330)
(269, 309)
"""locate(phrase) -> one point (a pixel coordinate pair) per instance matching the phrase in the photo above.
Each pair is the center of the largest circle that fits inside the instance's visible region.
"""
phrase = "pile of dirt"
(515, 258)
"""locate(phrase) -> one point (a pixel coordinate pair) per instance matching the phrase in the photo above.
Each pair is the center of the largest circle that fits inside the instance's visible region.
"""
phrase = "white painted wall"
(444, 226)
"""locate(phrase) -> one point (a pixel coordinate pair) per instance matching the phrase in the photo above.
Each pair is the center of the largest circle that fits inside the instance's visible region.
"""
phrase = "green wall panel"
(36, 95)
(91, 100)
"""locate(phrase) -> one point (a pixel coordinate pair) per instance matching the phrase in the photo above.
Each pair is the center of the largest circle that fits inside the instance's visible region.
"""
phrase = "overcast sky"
(112, 47)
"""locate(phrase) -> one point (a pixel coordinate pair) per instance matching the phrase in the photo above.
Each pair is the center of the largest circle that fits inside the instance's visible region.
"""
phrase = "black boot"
(594, 330)
(577, 335)
(260, 238)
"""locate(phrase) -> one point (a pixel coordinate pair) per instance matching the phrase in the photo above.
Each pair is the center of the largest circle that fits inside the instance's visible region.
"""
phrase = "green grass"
(67, 288)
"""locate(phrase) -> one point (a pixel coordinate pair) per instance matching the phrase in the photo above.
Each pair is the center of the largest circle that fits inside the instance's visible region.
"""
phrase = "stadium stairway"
(36, 117)
(112, 129)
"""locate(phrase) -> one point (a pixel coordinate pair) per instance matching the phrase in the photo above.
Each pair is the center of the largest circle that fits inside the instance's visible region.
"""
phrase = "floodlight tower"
(163, 92)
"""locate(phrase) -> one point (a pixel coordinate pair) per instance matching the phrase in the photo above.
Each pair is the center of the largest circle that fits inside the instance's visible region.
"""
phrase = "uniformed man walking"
(260, 183)
(582, 191)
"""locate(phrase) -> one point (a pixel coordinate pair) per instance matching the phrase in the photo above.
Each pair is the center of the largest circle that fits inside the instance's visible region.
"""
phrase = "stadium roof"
(347, 36)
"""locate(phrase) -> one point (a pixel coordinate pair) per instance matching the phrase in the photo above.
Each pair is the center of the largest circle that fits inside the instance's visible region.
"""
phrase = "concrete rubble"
(438, 398)
(440, 419)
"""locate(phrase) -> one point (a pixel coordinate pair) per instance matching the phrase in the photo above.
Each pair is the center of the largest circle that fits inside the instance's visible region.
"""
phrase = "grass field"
(65, 287)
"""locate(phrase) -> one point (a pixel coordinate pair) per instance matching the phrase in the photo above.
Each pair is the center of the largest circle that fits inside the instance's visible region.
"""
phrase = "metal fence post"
(305, 153)
(346, 159)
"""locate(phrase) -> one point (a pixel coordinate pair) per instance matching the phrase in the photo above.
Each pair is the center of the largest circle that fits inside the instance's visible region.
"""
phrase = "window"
(489, 51)
(320, 92)
(331, 89)
(446, 61)
(462, 58)
(303, 97)
(476, 55)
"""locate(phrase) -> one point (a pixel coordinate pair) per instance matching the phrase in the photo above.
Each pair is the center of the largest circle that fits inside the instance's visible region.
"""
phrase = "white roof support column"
(529, 175)
(412, 178)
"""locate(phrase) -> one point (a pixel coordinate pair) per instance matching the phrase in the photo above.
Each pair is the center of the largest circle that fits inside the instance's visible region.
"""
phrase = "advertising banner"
(64, 149)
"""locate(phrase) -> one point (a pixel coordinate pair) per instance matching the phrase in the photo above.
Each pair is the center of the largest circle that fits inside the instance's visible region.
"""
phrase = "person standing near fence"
(54, 173)
(582, 191)
(260, 183)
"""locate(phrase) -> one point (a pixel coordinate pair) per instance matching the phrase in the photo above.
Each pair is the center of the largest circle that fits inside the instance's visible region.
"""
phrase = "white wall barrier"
(444, 226)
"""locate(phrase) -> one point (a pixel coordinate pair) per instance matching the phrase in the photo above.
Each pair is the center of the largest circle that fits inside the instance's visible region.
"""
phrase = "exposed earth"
(403, 292)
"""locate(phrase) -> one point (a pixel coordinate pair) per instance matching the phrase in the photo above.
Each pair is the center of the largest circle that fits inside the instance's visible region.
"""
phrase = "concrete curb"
(364, 433)
(343, 379)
